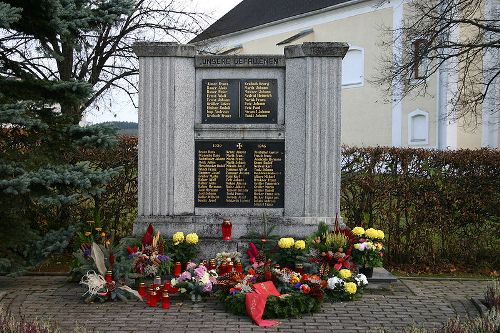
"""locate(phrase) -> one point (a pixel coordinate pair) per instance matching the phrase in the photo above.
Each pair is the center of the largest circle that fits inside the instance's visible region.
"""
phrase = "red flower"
(147, 239)
(305, 288)
(251, 271)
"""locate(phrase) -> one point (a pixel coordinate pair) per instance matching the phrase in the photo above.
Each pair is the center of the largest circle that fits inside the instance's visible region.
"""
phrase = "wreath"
(292, 305)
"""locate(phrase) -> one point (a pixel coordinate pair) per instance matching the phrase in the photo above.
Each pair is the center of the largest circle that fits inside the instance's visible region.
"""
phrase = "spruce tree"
(39, 133)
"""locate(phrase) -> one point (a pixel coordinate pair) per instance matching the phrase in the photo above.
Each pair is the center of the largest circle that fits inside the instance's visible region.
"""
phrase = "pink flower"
(190, 265)
(207, 288)
(185, 276)
(200, 271)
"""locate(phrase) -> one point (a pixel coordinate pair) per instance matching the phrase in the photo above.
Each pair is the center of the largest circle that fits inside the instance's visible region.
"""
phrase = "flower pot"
(367, 271)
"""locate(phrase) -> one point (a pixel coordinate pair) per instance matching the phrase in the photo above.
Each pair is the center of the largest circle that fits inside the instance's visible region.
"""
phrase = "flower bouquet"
(290, 252)
(101, 286)
(345, 286)
(150, 259)
(331, 250)
(368, 249)
(195, 280)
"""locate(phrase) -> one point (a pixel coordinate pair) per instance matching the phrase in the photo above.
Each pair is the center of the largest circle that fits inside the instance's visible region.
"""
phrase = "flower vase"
(367, 271)
(196, 298)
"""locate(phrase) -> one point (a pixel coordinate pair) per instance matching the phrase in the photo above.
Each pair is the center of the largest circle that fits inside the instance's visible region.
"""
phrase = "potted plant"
(368, 249)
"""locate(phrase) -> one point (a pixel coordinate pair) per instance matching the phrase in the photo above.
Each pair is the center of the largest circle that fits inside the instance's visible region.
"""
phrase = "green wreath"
(292, 306)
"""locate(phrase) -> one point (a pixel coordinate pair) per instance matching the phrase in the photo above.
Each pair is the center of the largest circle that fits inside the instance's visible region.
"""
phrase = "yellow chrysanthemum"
(192, 239)
(178, 237)
(379, 246)
(381, 234)
(300, 245)
(371, 233)
(350, 288)
(358, 231)
(294, 279)
(357, 246)
(345, 274)
(286, 243)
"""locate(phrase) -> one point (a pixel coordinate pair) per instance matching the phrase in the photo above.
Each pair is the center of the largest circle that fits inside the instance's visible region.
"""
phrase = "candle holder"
(227, 229)
(239, 268)
(108, 277)
(177, 269)
(165, 302)
(152, 300)
(142, 289)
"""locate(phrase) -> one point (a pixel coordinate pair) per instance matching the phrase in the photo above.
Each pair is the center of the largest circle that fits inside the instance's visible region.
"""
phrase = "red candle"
(239, 268)
(152, 300)
(109, 277)
(227, 229)
(223, 268)
(148, 295)
(268, 276)
(230, 267)
(177, 269)
(165, 304)
(142, 289)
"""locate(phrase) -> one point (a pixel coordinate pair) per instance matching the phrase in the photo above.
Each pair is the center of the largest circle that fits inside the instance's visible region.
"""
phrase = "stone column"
(312, 134)
(166, 129)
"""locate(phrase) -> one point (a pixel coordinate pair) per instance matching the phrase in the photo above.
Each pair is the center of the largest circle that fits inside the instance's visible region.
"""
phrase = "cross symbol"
(239, 145)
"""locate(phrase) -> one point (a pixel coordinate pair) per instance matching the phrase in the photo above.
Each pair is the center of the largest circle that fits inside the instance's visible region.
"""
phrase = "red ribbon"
(256, 303)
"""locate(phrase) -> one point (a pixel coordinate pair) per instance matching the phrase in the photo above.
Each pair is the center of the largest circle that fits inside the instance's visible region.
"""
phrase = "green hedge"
(440, 209)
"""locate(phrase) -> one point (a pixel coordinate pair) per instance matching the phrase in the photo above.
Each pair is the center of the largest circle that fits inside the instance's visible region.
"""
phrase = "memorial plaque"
(234, 101)
(239, 174)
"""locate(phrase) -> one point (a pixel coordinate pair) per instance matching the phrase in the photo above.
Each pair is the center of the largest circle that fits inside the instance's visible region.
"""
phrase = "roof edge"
(269, 24)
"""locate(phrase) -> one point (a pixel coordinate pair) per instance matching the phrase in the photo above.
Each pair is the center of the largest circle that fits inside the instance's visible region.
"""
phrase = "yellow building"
(368, 119)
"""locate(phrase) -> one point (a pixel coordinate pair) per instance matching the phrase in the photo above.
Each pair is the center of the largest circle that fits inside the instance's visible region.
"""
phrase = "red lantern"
(177, 269)
(165, 304)
(109, 277)
(227, 229)
(142, 289)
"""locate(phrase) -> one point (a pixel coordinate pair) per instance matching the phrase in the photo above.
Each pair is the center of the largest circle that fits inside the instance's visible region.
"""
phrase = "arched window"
(418, 127)
(353, 67)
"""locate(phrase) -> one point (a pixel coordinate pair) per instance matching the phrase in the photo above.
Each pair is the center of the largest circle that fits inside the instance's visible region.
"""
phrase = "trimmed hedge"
(440, 209)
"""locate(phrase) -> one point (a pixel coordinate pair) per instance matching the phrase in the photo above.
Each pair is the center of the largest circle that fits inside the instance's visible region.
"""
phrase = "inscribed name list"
(239, 174)
(239, 101)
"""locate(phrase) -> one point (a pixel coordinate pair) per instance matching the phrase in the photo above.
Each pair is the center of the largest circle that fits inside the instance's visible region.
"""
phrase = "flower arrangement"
(331, 249)
(101, 286)
(150, 260)
(195, 280)
(345, 286)
(290, 252)
(183, 248)
(368, 247)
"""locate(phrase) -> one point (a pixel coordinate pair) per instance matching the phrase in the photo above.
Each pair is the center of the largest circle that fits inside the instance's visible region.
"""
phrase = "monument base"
(243, 226)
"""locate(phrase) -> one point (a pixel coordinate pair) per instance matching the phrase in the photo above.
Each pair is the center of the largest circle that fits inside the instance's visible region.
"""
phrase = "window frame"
(411, 116)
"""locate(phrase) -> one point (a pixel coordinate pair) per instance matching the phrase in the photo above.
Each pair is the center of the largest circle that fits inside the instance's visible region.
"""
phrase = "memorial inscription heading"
(239, 101)
(239, 174)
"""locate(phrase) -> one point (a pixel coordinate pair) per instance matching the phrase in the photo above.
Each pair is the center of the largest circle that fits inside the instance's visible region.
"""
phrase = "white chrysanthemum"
(205, 278)
(334, 281)
(361, 280)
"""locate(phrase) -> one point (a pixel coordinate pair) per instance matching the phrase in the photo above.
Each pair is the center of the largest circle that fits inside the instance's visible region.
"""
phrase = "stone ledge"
(313, 49)
(160, 49)
(382, 275)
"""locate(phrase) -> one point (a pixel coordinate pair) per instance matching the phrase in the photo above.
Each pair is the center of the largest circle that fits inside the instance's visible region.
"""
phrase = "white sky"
(121, 109)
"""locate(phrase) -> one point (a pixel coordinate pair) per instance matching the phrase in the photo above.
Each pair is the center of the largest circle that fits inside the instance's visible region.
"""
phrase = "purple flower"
(200, 271)
(163, 257)
(297, 285)
(207, 288)
(190, 265)
(185, 276)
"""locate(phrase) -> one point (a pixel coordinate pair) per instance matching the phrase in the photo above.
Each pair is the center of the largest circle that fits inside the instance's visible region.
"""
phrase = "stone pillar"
(312, 133)
(166, 129)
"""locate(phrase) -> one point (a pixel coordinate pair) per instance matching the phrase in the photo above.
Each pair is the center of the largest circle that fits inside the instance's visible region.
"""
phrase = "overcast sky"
(121, 108)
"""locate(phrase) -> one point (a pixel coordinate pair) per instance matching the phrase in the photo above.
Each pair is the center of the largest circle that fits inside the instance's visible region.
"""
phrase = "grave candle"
(142, 289)
(152, 300)
(227, 229)
(177, 269)
(109, 277)
(165, 304)
(239, 268)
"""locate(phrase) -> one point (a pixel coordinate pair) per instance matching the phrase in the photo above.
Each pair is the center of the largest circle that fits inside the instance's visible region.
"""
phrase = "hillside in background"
(125, 127)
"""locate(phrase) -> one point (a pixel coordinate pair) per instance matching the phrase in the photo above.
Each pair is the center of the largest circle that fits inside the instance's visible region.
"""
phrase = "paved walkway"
(427, 303)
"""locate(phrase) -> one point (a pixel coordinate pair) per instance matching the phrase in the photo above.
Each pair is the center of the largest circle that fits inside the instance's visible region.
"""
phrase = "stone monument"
(243, 137)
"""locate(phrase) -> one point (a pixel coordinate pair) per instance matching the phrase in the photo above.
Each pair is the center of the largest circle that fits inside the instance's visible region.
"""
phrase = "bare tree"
(456, 38)
(89, 41)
